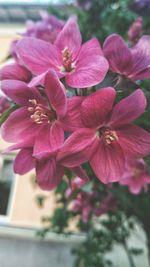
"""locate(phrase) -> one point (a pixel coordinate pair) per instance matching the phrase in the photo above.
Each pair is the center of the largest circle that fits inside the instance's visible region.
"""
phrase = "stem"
(129, 255)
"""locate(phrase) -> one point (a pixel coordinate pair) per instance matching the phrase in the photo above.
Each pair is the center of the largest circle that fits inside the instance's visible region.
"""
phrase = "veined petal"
(78, 148)
(56, 136)
(49, 173)
(24, 162)
(134, 141)
(95, 107)
(141, 57)
(39, 56)
(128, 109)
(72, 120)
(90, 66)
(144, 74)
(20, 93)
(48, 140)
(69, 37)
(42, 142)
(108, 162)
(118, 54)
(55, 92)
(19, 127)
(15, 71)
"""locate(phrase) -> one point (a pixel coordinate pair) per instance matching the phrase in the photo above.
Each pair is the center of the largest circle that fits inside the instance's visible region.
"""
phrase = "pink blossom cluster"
(88, 203)
(53, 128)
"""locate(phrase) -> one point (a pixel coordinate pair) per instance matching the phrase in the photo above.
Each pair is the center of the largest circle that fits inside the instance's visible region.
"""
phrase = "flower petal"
(19, 92)
(134, 141)
(141, 57)
(108, 162)
(38, 55)
(15, 71)
(55, 92)
(128, 109)
(49, 174)
(72, 120)
(24, 162)
(69, 37)
(48, 140)
(95, 107)
(19, 127)
(81, 173)
(77, 148)
(118, 54)
(90, 66)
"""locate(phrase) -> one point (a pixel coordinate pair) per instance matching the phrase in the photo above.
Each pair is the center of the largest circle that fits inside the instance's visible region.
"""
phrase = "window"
(7, 179)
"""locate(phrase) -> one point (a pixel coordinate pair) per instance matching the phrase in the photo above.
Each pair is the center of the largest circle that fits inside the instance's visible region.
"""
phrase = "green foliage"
(6, 114)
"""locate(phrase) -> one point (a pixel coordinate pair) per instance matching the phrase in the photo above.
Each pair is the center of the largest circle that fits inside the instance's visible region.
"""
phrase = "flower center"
(108, 135)
(41, 114)
(68, 64)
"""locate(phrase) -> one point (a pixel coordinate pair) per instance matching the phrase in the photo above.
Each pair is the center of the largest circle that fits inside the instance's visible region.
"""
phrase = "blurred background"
(23, 206)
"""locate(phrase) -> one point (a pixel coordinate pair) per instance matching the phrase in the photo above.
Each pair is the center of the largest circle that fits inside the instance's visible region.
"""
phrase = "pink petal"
(42, 142)
(24, 162)
(56, 136)
(91, 66)
(80, 172)
(72, 120)
(108, 162)
(78, 148)
(48, 140)
(135, 185)
(55, 92)
(145, 74)
(134, 141)
(95, 107)
(38, 80)
(69, 37)
(19, 127)
(39, 56)
(128, 109)
(118, 54)
(15, 71)
(49, 174)
(141, 58)
(28, 143)
(19, 92)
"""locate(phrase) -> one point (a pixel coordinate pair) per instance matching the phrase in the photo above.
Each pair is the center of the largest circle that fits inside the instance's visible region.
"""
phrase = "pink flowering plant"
(64, 118)
(76, 112)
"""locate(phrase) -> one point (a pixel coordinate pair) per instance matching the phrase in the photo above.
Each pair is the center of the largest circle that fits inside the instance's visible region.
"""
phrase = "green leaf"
(6, 114)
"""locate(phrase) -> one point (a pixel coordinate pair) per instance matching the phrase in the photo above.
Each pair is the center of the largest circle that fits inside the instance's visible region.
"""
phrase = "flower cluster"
(64, 117)
(87, 203)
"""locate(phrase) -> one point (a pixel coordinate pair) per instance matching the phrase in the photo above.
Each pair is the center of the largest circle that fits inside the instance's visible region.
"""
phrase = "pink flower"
(133, 63)
(76, 183)
(136, 176)
(135, 30)
(107, 136)
(45, 29)
(82, 65)
(84, 204)
(49, 172)
(15, 71)
(38, 120)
